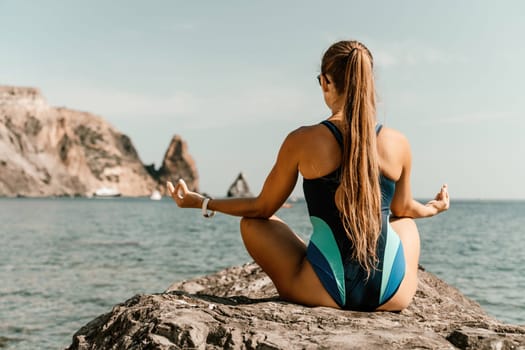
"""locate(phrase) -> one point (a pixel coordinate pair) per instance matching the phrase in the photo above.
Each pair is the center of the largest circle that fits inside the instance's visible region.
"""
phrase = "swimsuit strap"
(337, 132)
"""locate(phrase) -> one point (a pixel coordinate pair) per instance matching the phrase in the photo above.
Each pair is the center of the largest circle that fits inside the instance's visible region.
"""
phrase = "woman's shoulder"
(305, 129)
(394, 152)
(306, 139)
(305, 132)
(391, 135)
(393, 146)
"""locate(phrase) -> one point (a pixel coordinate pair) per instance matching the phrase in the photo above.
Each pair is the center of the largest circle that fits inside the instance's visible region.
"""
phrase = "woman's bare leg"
(409, 235)
(282, 255)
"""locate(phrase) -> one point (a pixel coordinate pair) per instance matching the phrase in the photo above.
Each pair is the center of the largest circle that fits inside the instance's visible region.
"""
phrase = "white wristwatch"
(205, 212)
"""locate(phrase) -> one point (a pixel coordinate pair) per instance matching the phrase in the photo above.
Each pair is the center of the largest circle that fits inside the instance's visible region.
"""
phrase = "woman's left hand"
(442, 200)
(184, 197)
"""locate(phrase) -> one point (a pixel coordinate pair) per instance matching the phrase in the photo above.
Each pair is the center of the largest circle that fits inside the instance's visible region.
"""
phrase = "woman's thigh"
(282, 255)
(409, 235)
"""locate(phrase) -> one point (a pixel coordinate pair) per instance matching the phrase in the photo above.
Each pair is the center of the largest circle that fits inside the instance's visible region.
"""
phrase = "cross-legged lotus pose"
(364, 250)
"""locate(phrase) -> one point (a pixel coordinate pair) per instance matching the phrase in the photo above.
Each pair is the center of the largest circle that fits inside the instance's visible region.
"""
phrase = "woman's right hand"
(442, 200)
(183, 196)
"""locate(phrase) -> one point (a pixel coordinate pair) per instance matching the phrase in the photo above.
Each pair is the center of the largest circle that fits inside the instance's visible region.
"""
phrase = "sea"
(65, 261)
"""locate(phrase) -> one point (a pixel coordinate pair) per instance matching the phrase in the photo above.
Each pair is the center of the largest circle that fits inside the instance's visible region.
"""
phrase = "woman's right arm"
(403, 204)
(278, 185)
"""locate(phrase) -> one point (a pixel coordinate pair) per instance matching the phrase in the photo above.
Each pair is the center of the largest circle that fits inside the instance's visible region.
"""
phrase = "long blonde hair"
(349, 65)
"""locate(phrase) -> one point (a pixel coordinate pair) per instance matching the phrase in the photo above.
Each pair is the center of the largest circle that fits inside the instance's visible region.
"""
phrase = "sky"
(233, 78)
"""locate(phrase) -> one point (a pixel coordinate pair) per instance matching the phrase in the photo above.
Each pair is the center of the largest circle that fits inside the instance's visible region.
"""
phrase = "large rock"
(177, 163)
(238, 308)
(48, 151)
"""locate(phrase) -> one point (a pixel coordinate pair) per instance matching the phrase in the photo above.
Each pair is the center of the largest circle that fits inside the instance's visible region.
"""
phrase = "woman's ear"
(324, 83)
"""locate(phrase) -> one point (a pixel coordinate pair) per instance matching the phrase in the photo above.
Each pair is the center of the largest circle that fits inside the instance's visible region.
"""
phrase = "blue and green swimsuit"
(330, 250)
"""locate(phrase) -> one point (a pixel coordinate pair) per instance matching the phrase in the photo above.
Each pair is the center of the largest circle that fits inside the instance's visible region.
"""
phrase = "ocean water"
(65, 261)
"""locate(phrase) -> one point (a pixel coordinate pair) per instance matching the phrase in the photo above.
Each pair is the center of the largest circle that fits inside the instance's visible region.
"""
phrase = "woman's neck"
(337, 107)
(336, 115)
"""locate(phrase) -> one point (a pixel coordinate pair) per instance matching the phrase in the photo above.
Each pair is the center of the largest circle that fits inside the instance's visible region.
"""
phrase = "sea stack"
(239, 187)
(177, 164)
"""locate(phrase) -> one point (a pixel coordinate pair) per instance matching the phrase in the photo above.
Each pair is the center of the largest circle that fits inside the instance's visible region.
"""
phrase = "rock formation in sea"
(177, 163)
(53, 151)
(238, 308)
(239, 187)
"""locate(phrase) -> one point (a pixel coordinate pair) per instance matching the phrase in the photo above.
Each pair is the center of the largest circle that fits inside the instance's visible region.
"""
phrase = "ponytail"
(359, 194)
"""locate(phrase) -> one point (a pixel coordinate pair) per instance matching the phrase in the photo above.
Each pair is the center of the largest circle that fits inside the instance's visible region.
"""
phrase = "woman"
(356, 173)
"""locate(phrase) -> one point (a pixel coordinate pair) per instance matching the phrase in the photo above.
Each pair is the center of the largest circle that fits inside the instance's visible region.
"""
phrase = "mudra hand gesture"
(183, 196)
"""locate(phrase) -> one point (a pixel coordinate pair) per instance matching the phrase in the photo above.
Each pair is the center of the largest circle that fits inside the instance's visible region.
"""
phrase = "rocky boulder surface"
(238, 308)
(49, 151)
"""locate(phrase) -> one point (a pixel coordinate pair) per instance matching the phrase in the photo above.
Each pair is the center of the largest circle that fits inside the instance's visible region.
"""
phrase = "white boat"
(155, 196)
(107, 192)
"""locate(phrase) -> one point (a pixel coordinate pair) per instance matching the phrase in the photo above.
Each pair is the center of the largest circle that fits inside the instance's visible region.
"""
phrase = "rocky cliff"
(237, 308)
(48, 151)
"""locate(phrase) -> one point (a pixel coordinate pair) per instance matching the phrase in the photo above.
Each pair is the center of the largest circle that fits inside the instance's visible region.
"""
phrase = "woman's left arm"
(276, 189)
